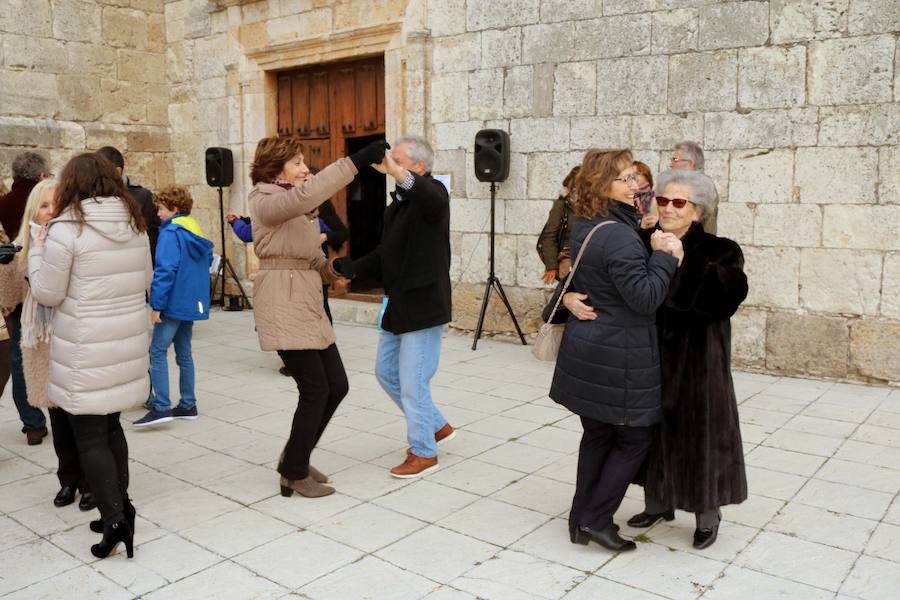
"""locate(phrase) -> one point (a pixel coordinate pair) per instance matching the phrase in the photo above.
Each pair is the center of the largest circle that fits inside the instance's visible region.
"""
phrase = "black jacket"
(148, 208)
(413, 259)
(608, 369)
(698, 462)
(338, 234)
(12, 206)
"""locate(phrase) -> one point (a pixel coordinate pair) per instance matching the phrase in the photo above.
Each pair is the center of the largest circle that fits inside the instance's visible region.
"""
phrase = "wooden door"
(300, 108)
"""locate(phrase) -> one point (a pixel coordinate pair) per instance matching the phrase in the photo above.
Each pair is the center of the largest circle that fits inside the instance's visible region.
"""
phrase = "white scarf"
(36, 318)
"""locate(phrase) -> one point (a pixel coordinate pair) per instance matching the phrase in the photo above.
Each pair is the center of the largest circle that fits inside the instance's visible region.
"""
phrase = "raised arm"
(289, 204)
(643, 283)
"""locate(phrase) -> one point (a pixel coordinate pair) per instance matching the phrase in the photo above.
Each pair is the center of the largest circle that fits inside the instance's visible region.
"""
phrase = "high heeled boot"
(113, 535)
(130, 514)
(313, 472)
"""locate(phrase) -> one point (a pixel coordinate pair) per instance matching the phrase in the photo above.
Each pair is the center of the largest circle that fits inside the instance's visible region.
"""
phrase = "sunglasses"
(676, 202)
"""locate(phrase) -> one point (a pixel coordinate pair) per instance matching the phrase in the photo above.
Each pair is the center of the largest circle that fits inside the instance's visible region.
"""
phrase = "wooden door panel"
(342, 101)
(317, 153)
(285, 119)
(300, 95)
(318, 104)
(379, 95)
(366, 99)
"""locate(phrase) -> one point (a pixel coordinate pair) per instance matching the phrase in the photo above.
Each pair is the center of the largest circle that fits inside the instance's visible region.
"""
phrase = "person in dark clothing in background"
(607, 371)
(28, 169)
(139, 193)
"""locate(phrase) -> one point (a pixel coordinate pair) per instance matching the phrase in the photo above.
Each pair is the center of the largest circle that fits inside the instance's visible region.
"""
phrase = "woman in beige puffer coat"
(35, 348)
(92, 266)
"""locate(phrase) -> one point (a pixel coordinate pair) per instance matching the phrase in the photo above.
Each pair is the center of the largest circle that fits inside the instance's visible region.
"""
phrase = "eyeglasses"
(676, 202)
(627, 180)
(675, 159)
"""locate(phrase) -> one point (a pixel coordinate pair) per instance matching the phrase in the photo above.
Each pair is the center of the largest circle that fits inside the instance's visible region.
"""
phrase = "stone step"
(354, 311)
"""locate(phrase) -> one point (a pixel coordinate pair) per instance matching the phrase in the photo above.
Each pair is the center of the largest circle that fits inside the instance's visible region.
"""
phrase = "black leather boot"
(704, 538)
(65, 496)
(113, 535)
(130, 514)
(88, 501)
(645, 519)
(608, 537)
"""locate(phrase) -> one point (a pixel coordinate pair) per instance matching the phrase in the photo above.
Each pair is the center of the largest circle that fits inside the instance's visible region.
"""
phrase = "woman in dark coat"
(607, 371)
(554, 242)
(698, 462)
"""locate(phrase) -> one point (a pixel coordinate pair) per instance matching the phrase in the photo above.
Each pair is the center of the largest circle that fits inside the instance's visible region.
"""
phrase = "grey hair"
(29, 165)
(418, 150)
(703, 191)
(692, 151)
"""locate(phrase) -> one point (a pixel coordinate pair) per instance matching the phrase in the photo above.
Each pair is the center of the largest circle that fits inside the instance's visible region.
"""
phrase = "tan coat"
(95, 278)
(287, 293)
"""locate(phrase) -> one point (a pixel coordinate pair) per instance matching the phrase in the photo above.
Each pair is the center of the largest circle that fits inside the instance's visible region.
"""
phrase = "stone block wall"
(76, 75)
(796, 103)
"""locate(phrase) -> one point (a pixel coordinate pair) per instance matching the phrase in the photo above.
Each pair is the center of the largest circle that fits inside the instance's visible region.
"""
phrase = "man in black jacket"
(413, 261)
(139, 193)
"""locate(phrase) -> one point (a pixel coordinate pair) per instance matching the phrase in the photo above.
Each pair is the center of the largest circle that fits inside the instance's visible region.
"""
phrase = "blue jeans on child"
(404, 367)
(164, 334)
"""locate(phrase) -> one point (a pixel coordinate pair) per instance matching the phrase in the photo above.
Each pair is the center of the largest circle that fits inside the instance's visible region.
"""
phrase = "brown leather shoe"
(35, 436)
(444, 434)
(414, 466)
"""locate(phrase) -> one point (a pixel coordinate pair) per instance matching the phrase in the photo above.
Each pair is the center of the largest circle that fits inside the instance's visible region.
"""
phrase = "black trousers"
(69, 469)
(322, 384)
(608, 459)
(103, 453)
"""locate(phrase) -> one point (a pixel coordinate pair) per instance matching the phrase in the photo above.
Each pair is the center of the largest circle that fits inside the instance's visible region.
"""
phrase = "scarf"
(36, 325)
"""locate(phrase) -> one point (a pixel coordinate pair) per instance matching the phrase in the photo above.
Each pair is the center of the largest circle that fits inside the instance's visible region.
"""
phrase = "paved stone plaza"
(823, 519)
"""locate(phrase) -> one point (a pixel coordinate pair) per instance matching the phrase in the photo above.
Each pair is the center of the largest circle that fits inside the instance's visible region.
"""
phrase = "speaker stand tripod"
(225, 264)
(493, 282)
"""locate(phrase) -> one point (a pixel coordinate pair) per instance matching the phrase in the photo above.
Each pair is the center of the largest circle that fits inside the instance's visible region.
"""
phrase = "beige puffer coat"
(287, 293)
(95, 277)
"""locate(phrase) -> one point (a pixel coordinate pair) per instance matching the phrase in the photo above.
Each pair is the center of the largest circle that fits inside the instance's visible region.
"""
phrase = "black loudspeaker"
(219, 167)
(491, 155)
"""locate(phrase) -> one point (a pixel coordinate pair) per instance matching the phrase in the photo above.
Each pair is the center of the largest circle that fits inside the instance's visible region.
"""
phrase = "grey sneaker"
(179, 412)
(154, 418)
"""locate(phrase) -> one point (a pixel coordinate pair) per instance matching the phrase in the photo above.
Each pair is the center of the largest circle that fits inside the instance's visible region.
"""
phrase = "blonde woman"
(35, 335)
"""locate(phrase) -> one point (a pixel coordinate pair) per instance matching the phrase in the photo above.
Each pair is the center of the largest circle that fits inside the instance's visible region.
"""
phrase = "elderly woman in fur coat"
(697, 464)
(14, 291)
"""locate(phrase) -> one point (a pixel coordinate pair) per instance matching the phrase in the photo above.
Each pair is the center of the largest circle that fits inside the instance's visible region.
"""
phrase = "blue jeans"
(404, 367)
(32, 418)
(168, 332)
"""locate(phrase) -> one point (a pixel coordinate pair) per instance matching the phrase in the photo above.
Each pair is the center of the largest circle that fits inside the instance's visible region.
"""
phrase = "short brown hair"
(92, 176)
(644, 170)
(598, 171)
(175, 198)
(271, 154)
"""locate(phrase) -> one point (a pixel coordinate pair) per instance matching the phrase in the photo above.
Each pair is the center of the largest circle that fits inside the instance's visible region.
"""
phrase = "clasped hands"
(668, 243)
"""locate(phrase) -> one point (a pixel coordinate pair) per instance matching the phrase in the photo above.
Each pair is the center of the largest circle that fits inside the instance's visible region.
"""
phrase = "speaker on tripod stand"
(492, 164)
(220, 174)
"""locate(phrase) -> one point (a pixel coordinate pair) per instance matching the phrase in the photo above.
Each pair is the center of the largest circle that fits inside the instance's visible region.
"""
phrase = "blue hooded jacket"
(180, 288)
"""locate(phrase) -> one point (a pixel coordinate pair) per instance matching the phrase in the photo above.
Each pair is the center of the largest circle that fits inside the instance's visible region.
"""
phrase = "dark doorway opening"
(365, 213)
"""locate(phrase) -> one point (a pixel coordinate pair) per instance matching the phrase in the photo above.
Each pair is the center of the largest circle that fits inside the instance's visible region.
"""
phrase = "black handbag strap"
(575, 266)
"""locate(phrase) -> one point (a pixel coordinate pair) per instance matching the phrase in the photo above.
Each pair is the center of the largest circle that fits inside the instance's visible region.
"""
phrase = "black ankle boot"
(113, 535)
(576, 536)
(608, 537)
(646, 519)
(130, 514)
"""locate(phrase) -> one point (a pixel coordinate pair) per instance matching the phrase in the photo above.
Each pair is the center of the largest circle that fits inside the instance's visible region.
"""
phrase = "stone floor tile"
(514, 575)
(535, 413)
(872, 579)
(447, 593)
(13, 469)
(860, 475)
(768, 400)
(32, 491)
(175, 450)
(755, 434)
(237, 411)
(732, 539)
(468, 443)
(565, 469)
(437, 553)
(551, 542)
(784, 461)
(494, 522)
(369, 579)
(426, 500)
(278, 561)
(366, 481)
(873, 434)
(805, 562)
(502, 427)
(838, 412)
(846, 499)
(823, 526)
(44, 523)
(774, 484)
(225, 581)
(755, 511)
(883, 418)
(869, 454)
(185, 508)
(88, 583)
(519, 392)
(303, 512)
(885, 542)
(476, 477)
(247, 486)
(769, 419)
(366, 446)
(367, 527)
(818, 426)
(33, 562)
(594, 588)
(276, 423)
(236, 532)
(893, 513)
(553, 438)
(538, 493)
(206, 468)
(738, 583)
(520, 457)
(807, 443)
(12, 534)
(365, 419)
(675, 574)
(261, 451)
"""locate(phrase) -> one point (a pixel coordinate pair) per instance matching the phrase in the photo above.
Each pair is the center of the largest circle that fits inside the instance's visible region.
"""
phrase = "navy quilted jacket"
(608, 369)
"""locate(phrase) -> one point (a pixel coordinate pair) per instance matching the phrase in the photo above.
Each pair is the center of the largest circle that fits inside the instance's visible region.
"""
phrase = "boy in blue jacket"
(179, 295)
